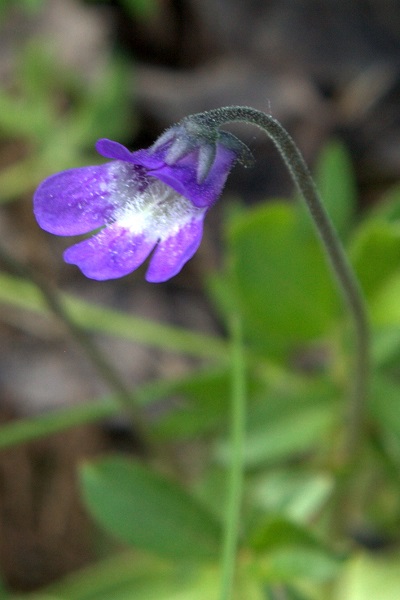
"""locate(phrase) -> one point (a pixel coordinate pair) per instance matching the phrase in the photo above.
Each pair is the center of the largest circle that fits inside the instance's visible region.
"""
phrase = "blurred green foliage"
(141, 9)
(30, 6)
(297, 340)
(58, 116)
(275, 274)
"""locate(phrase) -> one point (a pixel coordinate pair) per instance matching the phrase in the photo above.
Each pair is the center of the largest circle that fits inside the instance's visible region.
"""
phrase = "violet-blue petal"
(115, 150)
(172, 253)
(75, 201)
(182, 176)
(113, 252)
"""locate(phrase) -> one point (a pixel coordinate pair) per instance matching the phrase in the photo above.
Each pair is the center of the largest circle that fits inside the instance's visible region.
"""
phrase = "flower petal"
(112, 253)
(172, 253)
(111, 149)
(75, 201)
(182, 176)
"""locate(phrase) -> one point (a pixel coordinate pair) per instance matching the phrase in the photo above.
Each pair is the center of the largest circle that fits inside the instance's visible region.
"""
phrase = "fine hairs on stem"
(353, 297)
(341, 267)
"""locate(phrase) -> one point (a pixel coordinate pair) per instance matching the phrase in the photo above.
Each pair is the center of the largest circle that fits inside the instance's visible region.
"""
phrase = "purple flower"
(153, 199)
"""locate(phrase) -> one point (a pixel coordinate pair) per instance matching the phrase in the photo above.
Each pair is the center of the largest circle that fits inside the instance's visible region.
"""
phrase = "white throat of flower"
(156, 210)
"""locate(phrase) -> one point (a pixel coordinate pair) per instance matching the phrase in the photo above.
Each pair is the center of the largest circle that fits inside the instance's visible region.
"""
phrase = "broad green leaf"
(375, 254)
(384, 309)
(284, 438)
(291, 564)
(197, 404)
(288, 552)
(276, 532)
(148, 511)
(385, 306)
(281, 279)
(364, 577)
(286, 423)
(135, 577)
(297, 494)
(384, 403)
(385, 344)
(337, 185)
(131, 576)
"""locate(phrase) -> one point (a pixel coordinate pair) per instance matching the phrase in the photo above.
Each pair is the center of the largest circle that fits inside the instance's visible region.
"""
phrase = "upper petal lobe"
(182, 176)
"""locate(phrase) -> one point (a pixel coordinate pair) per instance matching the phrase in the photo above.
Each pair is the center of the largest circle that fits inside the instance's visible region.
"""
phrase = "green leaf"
(286, 423)
(276, 532)
(385, 316)
(281, 279)
(375, 254)
(292, 564)
(385, 344)
(384, 403)
(130, 576)
(289, 551)
(385, 306)
(337, 185)
(295, 493)
(147, 511)
(197, 404)
(366, 576)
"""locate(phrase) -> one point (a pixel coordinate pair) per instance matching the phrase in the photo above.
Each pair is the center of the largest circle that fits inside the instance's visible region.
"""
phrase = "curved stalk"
(341, 267)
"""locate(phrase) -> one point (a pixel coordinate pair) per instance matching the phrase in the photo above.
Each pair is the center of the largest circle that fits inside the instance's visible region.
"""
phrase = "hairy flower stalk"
(341, 267)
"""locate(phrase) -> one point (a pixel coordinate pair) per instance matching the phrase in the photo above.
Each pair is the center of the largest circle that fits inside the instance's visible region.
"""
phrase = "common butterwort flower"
(152, 200)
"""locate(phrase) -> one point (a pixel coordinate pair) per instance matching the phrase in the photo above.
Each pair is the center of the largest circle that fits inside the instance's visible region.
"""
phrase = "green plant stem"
(22, 431)
(105, 369)
(236, 474)
(342, 269)
(21, 293)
